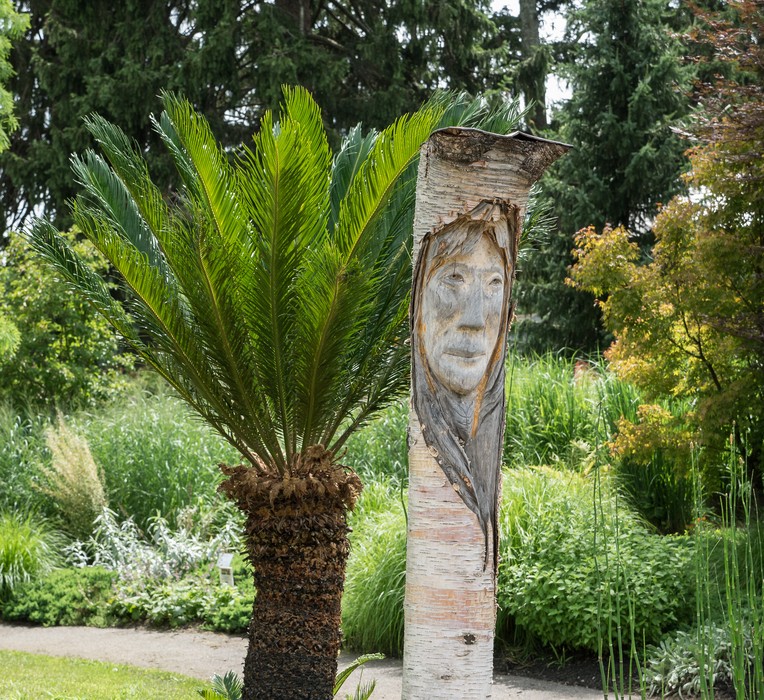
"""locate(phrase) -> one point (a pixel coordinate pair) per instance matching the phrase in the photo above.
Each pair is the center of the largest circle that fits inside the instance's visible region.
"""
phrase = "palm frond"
(128, 164)
(352, 154)
(284, 182)
(393, 151)
(103, 189)
(167, 132)
(335, 299)
(217, 256)
(497, 114)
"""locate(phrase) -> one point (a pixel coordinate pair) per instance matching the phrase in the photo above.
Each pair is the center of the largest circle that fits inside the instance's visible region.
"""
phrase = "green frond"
(393, 150)
(103, 189)
(158, 307)
(162, 356)
(214, 184)
(284, 180)
(55, 249)
(166, 130)
(128, 164)
(497, 114)
(335, 299)
(217, 257)
(353, 152)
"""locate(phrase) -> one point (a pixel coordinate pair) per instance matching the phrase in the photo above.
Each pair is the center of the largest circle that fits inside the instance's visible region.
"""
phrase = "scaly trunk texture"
(296, 537)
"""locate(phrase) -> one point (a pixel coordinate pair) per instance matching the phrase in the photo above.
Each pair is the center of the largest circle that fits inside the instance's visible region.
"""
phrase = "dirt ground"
(202, 654)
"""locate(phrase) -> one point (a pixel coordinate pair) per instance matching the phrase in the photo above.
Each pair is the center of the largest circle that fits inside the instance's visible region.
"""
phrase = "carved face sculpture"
(462, 306)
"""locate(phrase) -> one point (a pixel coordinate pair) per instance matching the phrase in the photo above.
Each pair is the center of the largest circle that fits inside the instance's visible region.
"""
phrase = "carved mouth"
(466, 354)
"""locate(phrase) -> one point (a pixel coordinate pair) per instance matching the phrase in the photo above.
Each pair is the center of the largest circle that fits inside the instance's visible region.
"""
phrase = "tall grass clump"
(560, 410)
(572, 559)
(725, 647)
(22, 445)
(72, 480)
(742, 604)
(29, 548)
(156, 457)
(379, 450)
(372, 605)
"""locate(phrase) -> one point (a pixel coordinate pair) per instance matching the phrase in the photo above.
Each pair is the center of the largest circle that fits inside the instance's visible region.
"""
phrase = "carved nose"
(473, 315)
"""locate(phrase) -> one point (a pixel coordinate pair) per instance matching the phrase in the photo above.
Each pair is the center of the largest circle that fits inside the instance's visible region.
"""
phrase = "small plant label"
(225, 564)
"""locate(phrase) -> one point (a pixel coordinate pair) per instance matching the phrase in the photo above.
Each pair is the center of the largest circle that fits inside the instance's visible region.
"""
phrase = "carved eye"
(454, 278)
(496, 283)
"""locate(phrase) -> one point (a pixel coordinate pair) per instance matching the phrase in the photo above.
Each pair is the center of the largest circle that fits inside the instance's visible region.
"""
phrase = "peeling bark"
(472, 192)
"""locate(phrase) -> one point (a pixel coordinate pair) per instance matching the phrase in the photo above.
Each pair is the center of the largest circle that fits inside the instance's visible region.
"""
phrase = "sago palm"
(271, 292)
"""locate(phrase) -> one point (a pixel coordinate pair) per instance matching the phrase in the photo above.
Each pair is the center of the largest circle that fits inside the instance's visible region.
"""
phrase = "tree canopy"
(363, 62)
(690, 322)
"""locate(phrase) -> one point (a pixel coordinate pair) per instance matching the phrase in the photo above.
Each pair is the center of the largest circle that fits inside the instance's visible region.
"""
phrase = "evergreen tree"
(629, 87)
(363, 61)
(110, 58)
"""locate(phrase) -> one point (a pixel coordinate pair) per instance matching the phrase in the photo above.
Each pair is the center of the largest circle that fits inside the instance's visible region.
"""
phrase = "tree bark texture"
(296, 538)
(533, 71)
(472, 192)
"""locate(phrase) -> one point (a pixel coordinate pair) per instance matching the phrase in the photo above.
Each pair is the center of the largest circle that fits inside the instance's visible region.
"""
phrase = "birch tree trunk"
(472, 193)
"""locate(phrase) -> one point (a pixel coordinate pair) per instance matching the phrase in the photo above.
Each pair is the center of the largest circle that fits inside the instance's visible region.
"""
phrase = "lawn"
(26, 676)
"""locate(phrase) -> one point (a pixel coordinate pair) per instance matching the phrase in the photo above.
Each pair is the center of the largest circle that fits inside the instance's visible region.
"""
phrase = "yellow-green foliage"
(73, 480)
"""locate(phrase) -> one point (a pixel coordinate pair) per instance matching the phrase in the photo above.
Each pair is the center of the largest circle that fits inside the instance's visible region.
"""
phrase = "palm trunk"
(296, 538)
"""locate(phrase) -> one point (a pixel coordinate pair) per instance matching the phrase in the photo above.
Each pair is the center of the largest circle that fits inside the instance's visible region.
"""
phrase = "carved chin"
(461, 372)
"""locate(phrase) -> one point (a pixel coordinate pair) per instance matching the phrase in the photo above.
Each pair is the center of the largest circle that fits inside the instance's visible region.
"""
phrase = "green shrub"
(578, 568)
(196, 598)
(28, 549)
(65, 597)
(67, 354)
(232, 608)
(372, 605)
(155, 455)
(379, 450)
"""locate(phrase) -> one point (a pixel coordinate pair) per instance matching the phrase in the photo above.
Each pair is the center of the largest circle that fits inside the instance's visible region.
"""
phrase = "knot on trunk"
(313, 477)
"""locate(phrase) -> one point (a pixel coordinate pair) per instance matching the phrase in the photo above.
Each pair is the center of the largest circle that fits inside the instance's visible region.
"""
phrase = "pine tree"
(629, 87)
(362, 61)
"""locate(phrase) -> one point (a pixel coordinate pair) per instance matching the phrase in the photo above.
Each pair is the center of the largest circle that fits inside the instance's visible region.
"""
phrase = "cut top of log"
(530, 155)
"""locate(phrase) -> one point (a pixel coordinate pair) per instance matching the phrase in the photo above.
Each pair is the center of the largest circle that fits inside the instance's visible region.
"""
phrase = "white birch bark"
(450, 609)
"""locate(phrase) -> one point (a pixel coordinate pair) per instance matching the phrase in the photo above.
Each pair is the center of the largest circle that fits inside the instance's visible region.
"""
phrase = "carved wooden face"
(461, 310)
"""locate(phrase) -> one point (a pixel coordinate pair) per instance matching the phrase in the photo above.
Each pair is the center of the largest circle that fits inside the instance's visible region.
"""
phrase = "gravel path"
(202, 654)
